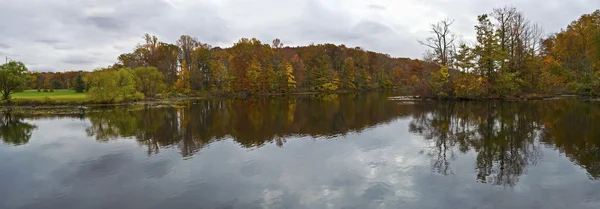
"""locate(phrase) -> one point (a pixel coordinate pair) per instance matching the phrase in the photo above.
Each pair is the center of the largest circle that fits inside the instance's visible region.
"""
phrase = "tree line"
(249, 66)
(510, 57)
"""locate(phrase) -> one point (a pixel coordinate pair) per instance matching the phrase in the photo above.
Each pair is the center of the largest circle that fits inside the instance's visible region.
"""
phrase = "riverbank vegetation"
(511, 57)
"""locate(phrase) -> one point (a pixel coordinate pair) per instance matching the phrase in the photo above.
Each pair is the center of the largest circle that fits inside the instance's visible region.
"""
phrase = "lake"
(313, 151)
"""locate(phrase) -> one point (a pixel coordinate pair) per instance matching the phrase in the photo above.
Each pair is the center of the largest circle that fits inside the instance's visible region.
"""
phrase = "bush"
(173, 94)
(588, 85)
(470, 86)
(45, 90)
(508, 84)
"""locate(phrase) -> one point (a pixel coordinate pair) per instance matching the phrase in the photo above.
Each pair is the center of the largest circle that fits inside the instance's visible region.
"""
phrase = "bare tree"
(277, 44)
(537, 35)
(441, 42)
(504, 17)
(186, 45)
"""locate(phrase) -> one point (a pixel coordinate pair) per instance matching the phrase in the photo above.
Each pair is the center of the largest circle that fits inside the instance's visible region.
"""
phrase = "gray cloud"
(107, 28)
(78, 60)
(106, 23)
(49, 41)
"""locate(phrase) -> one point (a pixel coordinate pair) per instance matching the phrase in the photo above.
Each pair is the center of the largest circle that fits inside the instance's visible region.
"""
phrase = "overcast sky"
(58, 35)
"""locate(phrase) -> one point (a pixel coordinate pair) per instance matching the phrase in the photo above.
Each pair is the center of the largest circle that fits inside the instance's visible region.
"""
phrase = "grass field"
(56, 96)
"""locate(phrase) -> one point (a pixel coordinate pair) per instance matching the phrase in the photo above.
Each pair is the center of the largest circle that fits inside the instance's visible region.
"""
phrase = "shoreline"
(66, 107)
(59, 107)
(33, 104)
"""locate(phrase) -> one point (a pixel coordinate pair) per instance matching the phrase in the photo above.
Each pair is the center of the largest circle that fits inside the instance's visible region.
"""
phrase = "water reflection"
(251, 123)
(506, 136)
(573, 128)
(502, 135)
(336, 151)
(13, 129)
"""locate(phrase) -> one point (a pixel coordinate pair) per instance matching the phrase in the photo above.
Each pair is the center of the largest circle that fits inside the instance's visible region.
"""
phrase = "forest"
(510, 58)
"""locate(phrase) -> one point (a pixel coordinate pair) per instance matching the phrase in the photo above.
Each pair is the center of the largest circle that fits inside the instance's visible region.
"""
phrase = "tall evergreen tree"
(79, 84)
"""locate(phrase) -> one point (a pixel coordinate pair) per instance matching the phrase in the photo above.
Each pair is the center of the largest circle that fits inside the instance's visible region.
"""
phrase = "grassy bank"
(58, 97)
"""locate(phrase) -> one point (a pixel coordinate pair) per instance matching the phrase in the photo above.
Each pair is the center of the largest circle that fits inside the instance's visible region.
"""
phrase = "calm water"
(338, 151)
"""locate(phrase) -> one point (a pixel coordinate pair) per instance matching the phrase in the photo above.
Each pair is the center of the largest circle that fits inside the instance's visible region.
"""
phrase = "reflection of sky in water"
(381, 167)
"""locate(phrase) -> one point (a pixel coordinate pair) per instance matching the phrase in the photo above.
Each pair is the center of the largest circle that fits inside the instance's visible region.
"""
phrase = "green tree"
(79, 83)
(109, 86)
(487, 47)
(56, 84)
(13, 78)
(149, 80)
(464, 58)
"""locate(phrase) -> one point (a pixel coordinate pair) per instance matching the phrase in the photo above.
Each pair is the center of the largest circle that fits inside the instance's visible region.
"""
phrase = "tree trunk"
(5, 95)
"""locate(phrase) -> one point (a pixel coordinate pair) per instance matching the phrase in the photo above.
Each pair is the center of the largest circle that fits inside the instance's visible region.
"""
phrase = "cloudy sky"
(58, 35)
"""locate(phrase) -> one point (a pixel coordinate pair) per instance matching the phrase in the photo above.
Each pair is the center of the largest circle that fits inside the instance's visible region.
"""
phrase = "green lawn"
(57, 95)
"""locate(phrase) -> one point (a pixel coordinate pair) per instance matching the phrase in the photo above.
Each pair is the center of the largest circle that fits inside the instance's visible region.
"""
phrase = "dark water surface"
(337, 151)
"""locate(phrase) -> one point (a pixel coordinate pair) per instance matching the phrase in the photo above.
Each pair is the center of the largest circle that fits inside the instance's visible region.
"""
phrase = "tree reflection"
(153, 127)
(502, 135)
(505, 136)
(251, 123)
(573, 128)
(13, 130)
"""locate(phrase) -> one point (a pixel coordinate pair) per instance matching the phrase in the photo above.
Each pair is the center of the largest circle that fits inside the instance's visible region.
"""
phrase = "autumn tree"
(48, 81)
(440, 82)
(253, 74)
(290, 80)
(576, 50)
(183, 83)
(348, 77)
